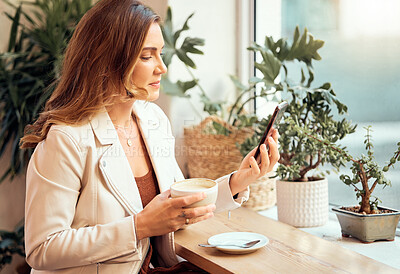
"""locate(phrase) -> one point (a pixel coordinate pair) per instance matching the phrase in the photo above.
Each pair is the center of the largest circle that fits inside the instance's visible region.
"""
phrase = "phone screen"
(273, 123)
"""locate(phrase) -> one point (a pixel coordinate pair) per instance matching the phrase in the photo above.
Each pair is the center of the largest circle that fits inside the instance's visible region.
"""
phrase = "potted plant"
(213, 140)
(367, 221)
(27, 69)
(302, 190)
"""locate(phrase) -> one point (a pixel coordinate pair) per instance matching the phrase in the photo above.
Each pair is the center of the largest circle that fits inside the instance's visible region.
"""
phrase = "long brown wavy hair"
(98, 65)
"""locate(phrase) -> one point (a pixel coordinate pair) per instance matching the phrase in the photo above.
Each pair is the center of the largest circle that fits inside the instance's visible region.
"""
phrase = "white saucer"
(240, 238)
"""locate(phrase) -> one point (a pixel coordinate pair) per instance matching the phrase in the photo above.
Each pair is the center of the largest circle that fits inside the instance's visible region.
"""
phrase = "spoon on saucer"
(245, 245)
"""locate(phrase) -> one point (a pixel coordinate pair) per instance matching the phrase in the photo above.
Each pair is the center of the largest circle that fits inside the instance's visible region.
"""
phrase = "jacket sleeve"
(52, 191)
(225, 200)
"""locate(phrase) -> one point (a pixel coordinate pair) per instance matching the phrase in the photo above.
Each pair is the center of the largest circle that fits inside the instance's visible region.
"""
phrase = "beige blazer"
(81, 196)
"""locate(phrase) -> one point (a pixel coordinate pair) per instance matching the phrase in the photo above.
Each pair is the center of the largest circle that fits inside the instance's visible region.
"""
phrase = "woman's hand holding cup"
(169, 212)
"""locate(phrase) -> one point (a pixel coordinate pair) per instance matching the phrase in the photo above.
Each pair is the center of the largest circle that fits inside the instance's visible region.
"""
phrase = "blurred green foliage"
(29, 67)
(11, 242)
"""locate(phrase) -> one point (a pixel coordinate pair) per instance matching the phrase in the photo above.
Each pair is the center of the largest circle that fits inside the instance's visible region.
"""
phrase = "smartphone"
(273, 123)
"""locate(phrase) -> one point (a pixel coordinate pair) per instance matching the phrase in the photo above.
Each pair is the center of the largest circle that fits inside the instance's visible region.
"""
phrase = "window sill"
(387, 252)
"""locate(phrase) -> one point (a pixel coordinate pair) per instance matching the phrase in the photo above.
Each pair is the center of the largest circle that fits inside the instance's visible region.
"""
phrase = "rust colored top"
(148, 186)
(148, 189)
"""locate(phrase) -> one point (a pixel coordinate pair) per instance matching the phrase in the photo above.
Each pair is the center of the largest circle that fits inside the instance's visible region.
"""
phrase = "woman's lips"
(155, 84)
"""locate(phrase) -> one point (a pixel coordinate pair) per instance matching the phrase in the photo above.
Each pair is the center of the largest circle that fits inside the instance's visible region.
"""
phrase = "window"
(361, 58)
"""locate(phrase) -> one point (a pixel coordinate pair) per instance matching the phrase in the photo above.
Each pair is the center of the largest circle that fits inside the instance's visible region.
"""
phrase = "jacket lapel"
(114, 165)
(159, 142)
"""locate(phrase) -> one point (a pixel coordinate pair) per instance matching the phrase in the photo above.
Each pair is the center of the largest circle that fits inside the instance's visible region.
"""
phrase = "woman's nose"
(161, 68)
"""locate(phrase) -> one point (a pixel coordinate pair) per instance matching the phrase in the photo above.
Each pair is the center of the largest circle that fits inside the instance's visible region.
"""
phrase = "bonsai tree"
(310, 107)
(366, 173)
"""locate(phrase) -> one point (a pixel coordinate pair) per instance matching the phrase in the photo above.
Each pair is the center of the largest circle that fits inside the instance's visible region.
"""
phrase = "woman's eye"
(145, 58)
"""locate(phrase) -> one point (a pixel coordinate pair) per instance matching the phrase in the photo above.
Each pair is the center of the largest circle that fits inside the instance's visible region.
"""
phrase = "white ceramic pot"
(303, 204)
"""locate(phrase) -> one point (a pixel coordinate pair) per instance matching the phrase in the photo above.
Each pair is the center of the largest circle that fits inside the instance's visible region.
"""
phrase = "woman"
(98, 181)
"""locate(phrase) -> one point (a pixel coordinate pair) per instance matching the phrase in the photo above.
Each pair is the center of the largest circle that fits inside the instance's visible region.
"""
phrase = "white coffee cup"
(196, 185)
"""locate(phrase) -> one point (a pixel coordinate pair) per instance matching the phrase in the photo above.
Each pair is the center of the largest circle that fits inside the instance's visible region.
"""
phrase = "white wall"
(215, 22)
(268, 20)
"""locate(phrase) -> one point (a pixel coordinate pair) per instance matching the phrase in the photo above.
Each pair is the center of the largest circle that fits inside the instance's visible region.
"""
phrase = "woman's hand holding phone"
(272, 124)
(250, 170)
(262, 158)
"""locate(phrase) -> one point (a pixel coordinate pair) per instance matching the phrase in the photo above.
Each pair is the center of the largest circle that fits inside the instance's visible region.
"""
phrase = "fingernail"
(264, 146)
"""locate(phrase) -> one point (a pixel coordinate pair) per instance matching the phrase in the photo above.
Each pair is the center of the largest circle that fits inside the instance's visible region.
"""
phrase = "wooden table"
(289, 250)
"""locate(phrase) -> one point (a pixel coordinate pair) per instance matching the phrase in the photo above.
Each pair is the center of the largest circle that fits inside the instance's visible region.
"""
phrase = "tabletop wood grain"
(289, 250)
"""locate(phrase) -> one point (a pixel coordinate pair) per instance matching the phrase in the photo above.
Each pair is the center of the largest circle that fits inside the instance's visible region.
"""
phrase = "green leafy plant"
(310, 107)
(366, 173)
(188, 46)
(11, 242)
(182, 88)
(29, 67)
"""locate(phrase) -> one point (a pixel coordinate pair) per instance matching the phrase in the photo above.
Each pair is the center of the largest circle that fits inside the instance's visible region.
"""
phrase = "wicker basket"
(262, 194)
(213, 155)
